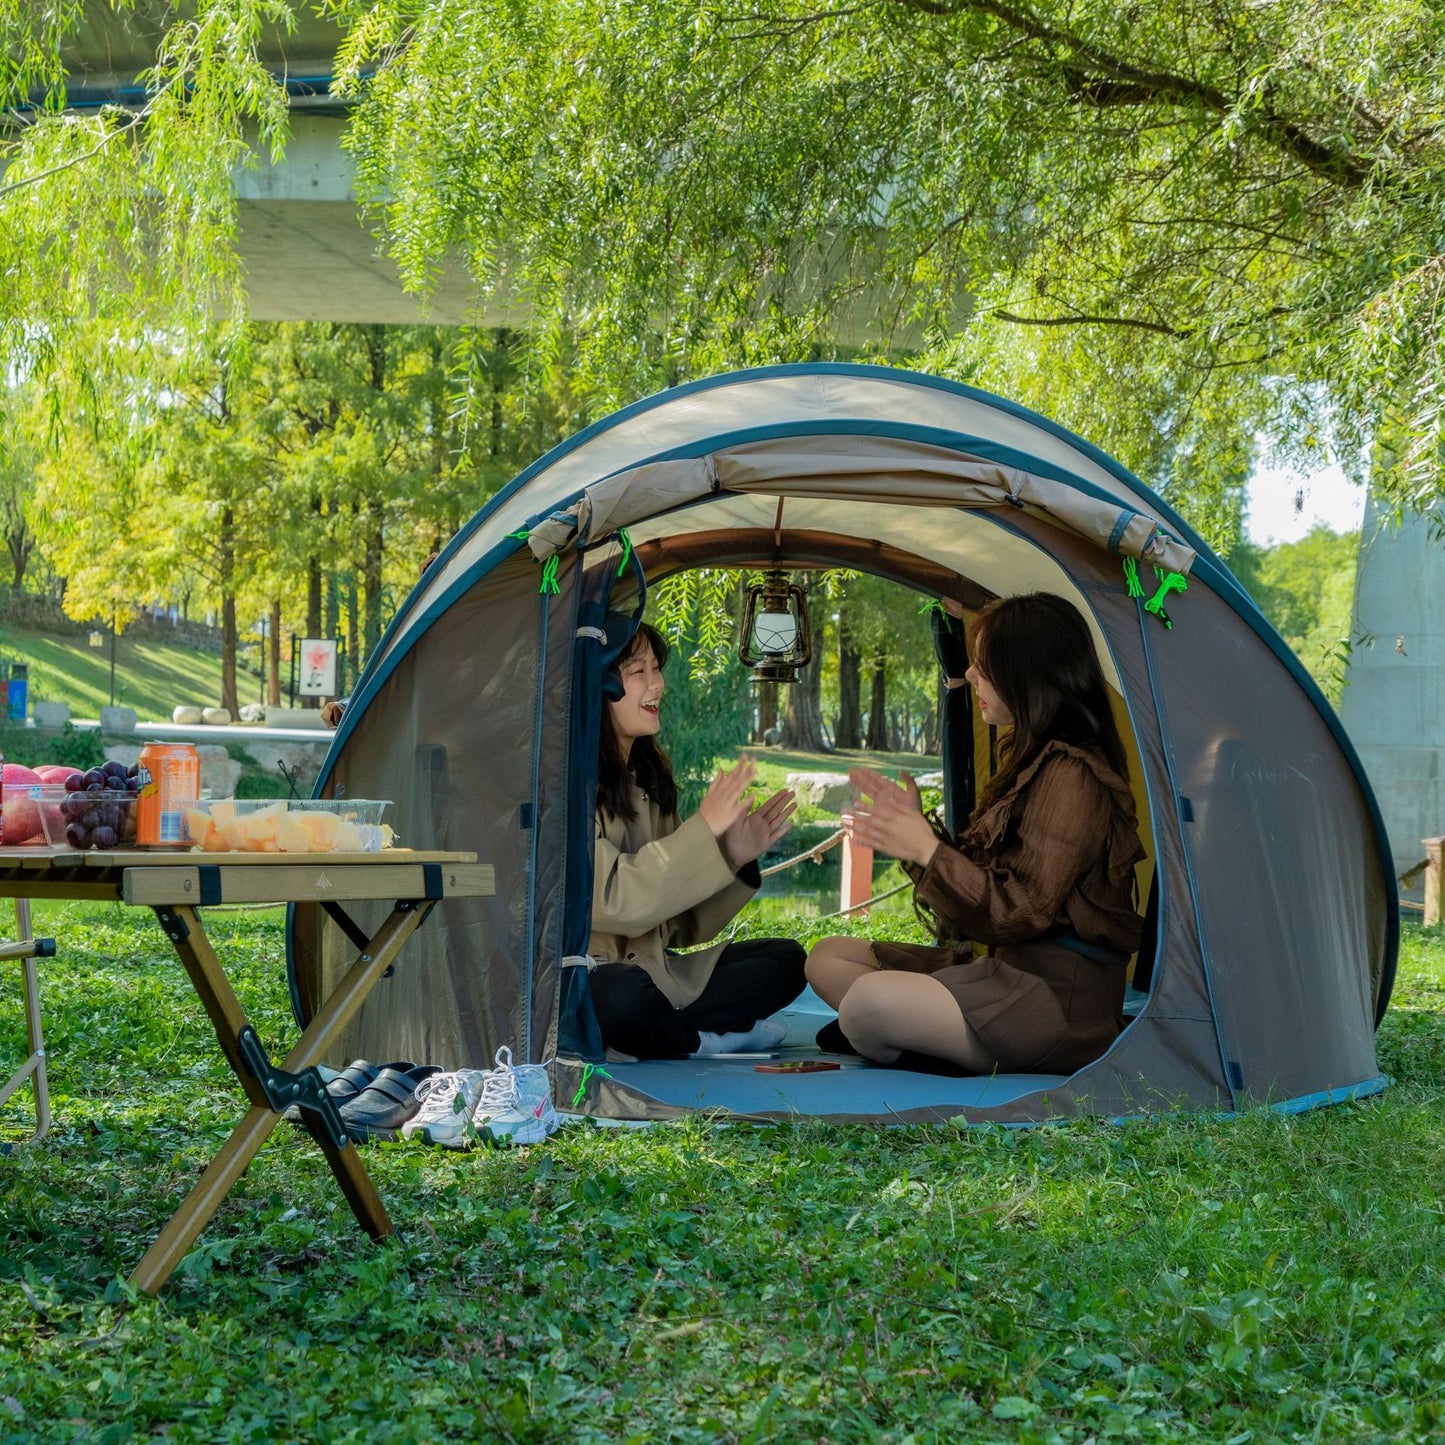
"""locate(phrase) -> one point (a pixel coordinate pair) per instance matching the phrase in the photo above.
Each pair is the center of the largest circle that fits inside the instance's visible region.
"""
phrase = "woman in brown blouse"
(1042, 877)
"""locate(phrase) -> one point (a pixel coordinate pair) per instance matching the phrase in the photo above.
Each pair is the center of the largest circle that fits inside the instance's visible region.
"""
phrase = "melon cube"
(198, 824)
(223, 811)
(261, 825)
(322, 826)
(293, 836)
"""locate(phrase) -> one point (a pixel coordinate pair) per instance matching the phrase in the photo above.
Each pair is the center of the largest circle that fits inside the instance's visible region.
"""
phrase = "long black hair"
(647, 766)
(1038, 653)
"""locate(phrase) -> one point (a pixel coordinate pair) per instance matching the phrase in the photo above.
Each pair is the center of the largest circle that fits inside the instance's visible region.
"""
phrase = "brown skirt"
(1037, 1007)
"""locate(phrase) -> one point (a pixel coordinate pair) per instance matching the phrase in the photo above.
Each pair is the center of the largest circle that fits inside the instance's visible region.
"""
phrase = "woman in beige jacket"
(662, 884)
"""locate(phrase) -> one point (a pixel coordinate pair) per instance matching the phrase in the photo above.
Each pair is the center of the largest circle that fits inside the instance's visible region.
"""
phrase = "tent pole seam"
(1186, 848)
(529, 957)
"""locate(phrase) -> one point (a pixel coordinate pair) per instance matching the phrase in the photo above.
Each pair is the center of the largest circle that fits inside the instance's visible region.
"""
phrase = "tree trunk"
(877, 738)
(313, 581)
(20, 541)
(227, 540)
(352, 652)
(932, 728)
(331, 616)
(767, 710)
(273, 649)
(850, 693)
(371, 575)
(803, 720)
(802, 716)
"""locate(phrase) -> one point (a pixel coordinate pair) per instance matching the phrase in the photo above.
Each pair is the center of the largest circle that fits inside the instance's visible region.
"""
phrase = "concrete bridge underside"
(308, 254)
(307, 251)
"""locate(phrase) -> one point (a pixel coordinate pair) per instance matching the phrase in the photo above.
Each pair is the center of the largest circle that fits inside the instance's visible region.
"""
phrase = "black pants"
(750, 981)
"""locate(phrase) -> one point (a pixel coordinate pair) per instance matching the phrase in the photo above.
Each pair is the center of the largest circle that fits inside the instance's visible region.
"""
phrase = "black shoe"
(832, 1040)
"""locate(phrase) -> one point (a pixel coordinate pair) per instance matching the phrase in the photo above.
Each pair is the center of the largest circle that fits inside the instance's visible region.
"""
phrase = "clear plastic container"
(296, 825)
(101, 819)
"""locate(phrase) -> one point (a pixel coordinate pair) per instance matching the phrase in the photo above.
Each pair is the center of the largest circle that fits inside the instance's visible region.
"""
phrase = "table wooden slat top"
(188, 876)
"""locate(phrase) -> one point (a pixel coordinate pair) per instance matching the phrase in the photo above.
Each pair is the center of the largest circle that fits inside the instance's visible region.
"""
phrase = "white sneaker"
(516, 1103)
(447, 1101)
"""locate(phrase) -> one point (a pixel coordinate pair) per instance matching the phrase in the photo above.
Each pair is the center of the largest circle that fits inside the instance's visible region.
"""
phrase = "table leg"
(221, 1174)
(334, 1014)
(24, 948)
(183, 927)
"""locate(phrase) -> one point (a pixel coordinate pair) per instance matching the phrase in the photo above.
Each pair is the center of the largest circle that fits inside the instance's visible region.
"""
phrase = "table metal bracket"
(344, 921)
(307, 1090)
(173, 926)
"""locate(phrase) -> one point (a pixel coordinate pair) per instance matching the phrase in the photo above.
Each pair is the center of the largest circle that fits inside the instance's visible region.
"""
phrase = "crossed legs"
(883, 1013)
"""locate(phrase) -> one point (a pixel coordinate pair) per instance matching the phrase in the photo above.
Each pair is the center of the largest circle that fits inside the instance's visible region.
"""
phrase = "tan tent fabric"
(878, 469)
(1277, 920)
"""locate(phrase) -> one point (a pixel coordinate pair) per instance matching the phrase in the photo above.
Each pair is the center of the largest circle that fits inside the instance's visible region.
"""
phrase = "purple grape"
(73, 805)
(74, 782)
(76, 835)
(103, 837)
(95, 778)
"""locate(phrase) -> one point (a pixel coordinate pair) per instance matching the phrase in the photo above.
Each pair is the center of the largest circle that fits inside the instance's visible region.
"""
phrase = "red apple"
(21, 816)
(55, 772)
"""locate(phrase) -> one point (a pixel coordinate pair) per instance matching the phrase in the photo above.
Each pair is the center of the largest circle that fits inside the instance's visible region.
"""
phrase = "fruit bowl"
(280, 825)
(96, 818)
(24, 825)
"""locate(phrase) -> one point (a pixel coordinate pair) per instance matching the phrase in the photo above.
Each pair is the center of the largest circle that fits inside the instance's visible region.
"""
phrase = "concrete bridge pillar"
(1393, 707)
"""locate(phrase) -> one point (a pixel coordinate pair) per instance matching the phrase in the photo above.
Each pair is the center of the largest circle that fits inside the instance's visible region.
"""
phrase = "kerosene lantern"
(775, 639)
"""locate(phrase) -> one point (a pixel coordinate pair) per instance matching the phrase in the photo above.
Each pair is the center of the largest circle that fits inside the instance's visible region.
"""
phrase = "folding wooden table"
(177, 886)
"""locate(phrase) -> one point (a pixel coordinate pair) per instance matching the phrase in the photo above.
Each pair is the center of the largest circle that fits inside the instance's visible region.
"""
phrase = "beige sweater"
(660, 885)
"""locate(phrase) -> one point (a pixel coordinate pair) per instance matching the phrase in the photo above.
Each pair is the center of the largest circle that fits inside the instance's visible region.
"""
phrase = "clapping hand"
(744, 832)
(729, 796)
(753, 834)
(888, 817)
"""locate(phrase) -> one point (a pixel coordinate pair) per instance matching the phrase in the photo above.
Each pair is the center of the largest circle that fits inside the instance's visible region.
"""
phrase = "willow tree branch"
(1104, 79)
(135, 120)
(1162, 328)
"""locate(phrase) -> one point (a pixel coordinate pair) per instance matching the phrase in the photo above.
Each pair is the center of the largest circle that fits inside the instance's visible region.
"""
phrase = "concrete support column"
(1393, 706)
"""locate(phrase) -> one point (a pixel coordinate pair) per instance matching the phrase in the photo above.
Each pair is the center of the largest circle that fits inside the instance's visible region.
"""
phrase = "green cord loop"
(626, 541)
(549, 576)
(1131, 578)
(521, 536)
(588, 1072)
(1168, 582)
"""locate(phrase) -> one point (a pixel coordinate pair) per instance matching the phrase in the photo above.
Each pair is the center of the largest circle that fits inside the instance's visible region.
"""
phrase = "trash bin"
(18, 692)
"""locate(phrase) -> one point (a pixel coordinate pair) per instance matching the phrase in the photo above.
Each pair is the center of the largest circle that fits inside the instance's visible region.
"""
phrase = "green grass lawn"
(1251, 1279)
(152, 677)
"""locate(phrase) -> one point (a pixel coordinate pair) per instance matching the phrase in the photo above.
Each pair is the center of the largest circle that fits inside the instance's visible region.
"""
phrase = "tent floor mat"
(857, 1088)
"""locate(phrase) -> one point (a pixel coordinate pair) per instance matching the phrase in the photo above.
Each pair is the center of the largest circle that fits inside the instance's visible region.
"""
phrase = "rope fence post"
(857, 885)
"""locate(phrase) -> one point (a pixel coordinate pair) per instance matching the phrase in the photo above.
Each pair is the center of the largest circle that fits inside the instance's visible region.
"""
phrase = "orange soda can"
(170, 782)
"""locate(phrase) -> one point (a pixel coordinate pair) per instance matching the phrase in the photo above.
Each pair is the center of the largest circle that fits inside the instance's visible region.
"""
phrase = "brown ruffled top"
(1056, 851)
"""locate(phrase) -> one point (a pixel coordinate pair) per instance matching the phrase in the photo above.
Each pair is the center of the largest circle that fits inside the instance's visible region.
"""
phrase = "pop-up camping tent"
(1273, 920)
